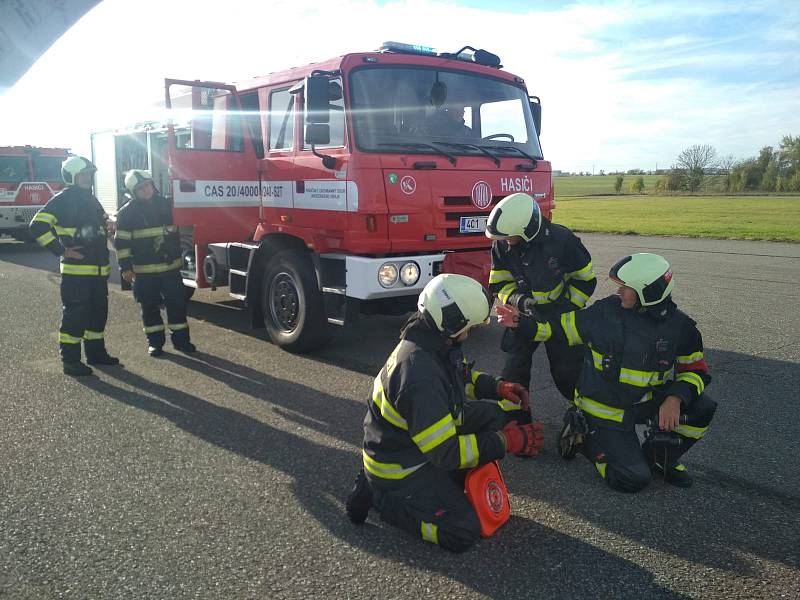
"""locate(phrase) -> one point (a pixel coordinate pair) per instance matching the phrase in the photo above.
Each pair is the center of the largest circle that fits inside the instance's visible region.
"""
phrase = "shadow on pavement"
(526, 559)
(729, 514)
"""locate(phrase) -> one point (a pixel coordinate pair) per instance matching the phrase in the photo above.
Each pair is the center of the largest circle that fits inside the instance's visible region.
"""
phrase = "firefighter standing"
(540, 267)
(421, 433)
(149, 255)
(642, 360)
(74, 226)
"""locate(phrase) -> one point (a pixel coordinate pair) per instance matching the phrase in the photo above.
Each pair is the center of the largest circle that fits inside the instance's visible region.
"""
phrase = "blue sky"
(623, 84)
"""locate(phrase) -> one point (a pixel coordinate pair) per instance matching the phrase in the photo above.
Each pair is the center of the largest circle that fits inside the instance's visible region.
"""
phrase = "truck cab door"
(214, 178)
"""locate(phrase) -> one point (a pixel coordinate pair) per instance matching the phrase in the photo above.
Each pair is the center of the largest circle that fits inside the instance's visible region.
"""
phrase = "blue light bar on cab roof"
(407, 48)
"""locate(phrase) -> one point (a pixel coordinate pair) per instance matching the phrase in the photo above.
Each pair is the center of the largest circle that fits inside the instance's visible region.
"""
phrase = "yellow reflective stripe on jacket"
(468, 451)
(598, 409)
(469, 390)
(385, 407)
(584, 274)
(387, 470)
(436, 434)
(68, 269)
(634, 377)
(505, 292)
(547, 297)
(577, 297)
(429, 532)
(158, 267)
(123, 234)
(66, 338)
(693, 378)
(500, 276)
(93, 335)
(687, 359)
(45, 238)
(553, 294)
(690, 431)
(124, 253)
(154, 328)
(475, 375)
(543, 332)
(147, 232)
(597, 358)
(570, 329)
(45, 218)
(65, 230)
(644, 378)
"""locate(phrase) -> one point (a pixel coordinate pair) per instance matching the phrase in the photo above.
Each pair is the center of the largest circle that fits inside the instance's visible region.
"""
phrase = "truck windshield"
(13, 169)
(47, 168)
(418, 110)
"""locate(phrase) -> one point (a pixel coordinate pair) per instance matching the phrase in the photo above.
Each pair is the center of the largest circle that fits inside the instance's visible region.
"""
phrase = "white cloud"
(593, 112)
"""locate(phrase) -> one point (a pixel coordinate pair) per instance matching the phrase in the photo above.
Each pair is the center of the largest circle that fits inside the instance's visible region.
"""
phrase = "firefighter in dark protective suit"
(149, 255)
(74, 226)
(540, 268)
(642, 361)
(432, 417)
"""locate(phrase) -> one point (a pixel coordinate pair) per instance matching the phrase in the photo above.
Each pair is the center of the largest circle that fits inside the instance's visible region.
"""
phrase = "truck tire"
(292, 304)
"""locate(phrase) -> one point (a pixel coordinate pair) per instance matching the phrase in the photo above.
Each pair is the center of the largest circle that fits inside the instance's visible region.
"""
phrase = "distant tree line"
(699, 168)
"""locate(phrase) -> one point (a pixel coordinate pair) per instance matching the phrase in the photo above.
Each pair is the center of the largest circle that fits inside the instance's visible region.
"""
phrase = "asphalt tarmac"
(222, 474)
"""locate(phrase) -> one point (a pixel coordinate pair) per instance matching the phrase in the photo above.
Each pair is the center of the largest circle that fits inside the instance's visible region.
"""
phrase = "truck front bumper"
(362, 275)
(16, 217)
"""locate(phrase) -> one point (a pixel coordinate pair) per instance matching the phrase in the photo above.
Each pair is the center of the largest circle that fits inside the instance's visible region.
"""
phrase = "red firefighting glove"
(513, 392)
(526, 440)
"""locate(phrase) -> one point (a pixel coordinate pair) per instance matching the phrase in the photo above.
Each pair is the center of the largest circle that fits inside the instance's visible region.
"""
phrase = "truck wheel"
(292, 304)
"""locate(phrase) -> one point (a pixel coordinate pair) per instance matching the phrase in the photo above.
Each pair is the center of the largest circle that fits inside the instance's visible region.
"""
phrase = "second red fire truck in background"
(339, 188)
(29, 177)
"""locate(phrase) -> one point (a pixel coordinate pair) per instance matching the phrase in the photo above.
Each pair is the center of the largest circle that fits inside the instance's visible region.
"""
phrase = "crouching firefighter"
(74, 226)
(149, 255)
(539, 268)
(643, 363)
(422, 435)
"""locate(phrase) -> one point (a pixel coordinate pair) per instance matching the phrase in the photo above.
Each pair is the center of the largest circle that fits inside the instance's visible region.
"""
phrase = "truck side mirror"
(318, 134)
(536, 111)
(317, 99)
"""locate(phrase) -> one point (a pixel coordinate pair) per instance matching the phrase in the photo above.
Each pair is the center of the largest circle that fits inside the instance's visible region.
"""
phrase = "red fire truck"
(29, 177)
(338, 188)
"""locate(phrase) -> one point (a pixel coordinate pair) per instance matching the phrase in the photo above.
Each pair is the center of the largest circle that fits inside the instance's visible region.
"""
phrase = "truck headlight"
(387, 275)
(409, 273)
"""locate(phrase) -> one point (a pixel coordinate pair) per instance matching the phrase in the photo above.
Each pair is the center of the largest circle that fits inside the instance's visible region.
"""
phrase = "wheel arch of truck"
(270, 245)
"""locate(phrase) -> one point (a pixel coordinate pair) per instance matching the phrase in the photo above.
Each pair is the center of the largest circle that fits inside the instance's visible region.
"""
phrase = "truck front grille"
(453, 217)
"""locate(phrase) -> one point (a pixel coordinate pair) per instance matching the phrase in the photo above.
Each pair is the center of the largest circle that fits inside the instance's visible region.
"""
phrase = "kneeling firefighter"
(422, 434)
(149, 255)
(643, 363)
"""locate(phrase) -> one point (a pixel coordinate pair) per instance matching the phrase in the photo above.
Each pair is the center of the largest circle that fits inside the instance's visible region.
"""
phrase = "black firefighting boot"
(155, 351)
(572, 435)
(674, 474)
(181, 343)
(96, 353)
(76, 369)
(360, 500)
(187, 347)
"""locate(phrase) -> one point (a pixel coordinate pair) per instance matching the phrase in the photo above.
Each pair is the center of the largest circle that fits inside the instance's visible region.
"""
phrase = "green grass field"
(574, 185)
(729, 217)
